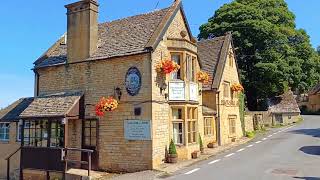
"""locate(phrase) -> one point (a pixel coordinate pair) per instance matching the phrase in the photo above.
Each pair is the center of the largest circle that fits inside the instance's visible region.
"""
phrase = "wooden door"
(89, 141)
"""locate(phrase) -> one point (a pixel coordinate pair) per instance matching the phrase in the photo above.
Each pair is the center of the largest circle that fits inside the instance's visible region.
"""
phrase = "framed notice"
(176, 91)
(139, 130)
(193, 89)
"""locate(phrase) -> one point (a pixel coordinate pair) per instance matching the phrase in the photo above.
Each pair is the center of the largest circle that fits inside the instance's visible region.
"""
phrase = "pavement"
(289, 153)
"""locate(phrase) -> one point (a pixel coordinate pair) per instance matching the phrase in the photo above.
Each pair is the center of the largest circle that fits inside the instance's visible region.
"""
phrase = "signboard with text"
(193, 89)
(177, 91)
(137, 130)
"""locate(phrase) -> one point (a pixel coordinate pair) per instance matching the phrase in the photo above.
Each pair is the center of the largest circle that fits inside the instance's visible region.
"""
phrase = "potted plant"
(195, 154)
(106, 105)
(201, 144)
(203, 77)
(172, 155)
(211, 144)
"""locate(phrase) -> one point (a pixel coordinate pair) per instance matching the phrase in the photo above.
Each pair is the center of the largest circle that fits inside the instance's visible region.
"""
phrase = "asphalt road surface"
(291, 153)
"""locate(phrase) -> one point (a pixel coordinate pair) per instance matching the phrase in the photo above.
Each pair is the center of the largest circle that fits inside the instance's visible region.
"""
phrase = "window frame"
(192, 126)
(6, 132)
(232, 125)
(178, 120)
(226, 87)
(176, 136)
(208, 128)
(93, 136)
(180, 71)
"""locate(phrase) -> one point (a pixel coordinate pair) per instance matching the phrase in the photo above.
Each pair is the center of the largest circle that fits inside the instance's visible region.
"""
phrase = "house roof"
(212, 56)
(315, 89)
(13, 111)
(206, 111)
(128, 36)
(54, 105)
(285, 103)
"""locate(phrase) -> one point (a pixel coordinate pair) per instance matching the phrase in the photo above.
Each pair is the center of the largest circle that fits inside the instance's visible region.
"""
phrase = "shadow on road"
(307, 178)
(312, 150)
(309, 132)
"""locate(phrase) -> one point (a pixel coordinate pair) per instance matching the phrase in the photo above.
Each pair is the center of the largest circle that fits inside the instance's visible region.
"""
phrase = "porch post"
(21, 150)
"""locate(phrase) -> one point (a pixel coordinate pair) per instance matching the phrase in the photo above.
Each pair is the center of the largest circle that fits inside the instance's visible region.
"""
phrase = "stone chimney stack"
(82, 33)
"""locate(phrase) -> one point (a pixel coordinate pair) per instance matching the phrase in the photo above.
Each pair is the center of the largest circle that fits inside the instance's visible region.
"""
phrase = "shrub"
(200, 142)
(250, 134)
(172, 148)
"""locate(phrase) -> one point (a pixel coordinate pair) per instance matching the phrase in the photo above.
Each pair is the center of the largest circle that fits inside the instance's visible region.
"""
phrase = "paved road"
(286, 153)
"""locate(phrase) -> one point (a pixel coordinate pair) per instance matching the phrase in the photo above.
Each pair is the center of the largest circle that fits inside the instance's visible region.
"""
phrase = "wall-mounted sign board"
(137, 130)
(177, 91)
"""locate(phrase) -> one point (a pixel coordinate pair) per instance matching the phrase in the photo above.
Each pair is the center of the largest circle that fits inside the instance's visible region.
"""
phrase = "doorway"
(90, 141)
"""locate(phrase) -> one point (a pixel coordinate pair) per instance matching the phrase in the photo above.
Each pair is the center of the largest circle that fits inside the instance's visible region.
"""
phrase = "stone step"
(82, 174)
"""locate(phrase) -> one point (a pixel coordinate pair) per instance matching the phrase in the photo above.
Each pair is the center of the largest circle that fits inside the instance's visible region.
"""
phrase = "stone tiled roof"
(54, 105)
(117, 38)
(12, 112)
(212, 56)
(206, 111)
(315, 89)
(285, 103)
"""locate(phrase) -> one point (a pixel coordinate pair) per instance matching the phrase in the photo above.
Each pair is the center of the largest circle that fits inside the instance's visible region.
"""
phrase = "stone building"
(313, 102)
(118, 59)
(284, 109)
(218, 60)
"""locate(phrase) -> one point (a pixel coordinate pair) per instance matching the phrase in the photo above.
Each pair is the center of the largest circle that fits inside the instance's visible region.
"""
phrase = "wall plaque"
(133, 81)
(137, 130)
(193, 89)
(177, 91)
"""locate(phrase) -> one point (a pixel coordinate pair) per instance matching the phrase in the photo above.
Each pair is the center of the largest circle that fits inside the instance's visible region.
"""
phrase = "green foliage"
(172, 148)
(318, 50)
(272, 54)
(251, 134)
(200, 142)
(242, 110)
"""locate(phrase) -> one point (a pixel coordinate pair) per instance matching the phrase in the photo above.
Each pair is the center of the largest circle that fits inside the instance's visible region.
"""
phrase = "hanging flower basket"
(106, 105)
(167, 66)
(203, 77)
(237, 87)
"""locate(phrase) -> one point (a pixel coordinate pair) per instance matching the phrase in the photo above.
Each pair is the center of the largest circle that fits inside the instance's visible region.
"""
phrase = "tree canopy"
(272, 54)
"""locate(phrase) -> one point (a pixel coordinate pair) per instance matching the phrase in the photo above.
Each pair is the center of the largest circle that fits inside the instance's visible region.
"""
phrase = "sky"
(29, 28)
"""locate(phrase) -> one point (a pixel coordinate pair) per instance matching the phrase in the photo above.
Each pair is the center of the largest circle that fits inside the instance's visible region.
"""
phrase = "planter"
(202, 150)
(172, 158)
(195, 154)
(233, 140)
(212, 145)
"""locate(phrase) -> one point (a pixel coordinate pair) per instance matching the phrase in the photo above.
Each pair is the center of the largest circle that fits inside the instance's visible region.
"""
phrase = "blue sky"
(28, 28)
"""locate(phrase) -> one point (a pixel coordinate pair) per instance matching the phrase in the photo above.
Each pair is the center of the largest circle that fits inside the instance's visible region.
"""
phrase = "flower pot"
(212, 145)
(172, 158)
(195, 154)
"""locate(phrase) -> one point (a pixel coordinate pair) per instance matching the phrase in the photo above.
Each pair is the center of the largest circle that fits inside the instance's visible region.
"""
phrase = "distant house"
(284, 109)
(313, 104)
(217, 58)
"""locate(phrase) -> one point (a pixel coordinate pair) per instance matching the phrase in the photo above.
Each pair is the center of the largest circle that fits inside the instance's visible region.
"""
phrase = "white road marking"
(275, 133)
(270, 136)
(192, 171)
(264, 139)
(229, 155)
(241, 150)
(250, 145)
(258, 142)
(212, 162)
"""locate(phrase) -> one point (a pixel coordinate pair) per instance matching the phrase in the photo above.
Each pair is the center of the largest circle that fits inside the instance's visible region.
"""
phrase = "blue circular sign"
(133, 81)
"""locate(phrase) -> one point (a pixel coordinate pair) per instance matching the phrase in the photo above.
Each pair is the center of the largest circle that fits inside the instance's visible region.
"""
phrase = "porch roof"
(54, 105)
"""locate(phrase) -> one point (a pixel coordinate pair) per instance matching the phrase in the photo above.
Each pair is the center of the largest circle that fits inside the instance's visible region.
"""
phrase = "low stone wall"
(259, 119)
(248, 123)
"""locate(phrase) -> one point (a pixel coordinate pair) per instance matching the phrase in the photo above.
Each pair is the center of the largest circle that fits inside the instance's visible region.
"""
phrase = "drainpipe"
(36, 83)
(218, 118)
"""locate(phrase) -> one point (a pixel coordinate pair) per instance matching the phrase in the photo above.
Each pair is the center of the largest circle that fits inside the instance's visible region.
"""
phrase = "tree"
(318, 50)
(272, 54)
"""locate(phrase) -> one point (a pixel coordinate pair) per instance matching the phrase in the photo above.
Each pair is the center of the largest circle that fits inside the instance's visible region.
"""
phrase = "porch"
(55, 138)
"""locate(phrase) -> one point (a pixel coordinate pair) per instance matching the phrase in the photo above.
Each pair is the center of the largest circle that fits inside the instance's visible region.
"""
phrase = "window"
(232, 125)
(226, 89)
(208, 128)
(26, 125)
(191, 62)
(192, 119)
(177, 59)
(177, 123)
(90, 133)
(43, 133)
(178, 132)
(4, 131)
(230, 59)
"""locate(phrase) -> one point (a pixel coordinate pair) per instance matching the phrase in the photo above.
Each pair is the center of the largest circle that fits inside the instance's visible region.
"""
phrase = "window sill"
(4, 141)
